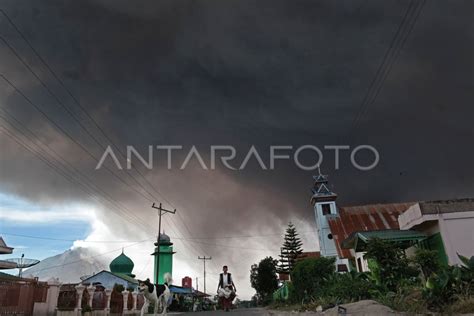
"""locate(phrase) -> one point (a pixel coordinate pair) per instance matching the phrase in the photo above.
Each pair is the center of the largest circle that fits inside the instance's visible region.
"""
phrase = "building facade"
(448, 224)
(343, 232)
(324, 205)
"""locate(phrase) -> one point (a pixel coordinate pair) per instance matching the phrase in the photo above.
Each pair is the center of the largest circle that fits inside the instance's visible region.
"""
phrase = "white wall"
(458, 235)
(457, 230)
(326, 245)
(48, 308)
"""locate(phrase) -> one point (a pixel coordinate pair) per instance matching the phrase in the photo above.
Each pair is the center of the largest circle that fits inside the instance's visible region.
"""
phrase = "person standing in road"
(226, 289)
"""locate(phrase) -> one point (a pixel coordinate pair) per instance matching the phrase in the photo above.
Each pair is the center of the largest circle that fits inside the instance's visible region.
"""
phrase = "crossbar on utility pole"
(204, 259)
(161, 211)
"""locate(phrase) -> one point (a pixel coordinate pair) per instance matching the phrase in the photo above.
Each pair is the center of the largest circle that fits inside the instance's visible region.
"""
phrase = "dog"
(158, 294)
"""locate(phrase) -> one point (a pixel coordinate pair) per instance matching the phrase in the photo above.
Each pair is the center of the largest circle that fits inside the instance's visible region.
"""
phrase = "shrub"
(392, 265)
(467, 275)
(427, 261)
(442, 288)
(348, 287)
(309, 277)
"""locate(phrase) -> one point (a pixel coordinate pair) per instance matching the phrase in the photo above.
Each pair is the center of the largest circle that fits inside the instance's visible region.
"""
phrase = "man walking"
(226, 289)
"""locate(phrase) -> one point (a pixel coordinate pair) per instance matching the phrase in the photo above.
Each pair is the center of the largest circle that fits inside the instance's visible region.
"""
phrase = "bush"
(442, 288)
(348, 287)
(467, 275)
(427, 261)
(392, 265)
(309, 277)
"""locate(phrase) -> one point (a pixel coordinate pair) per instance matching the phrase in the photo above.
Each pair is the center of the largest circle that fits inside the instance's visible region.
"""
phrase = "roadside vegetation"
(414, 285)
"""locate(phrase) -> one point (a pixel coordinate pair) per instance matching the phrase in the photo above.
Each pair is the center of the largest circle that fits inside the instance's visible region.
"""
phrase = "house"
(5, 250)
(343, 231)
(449, 226)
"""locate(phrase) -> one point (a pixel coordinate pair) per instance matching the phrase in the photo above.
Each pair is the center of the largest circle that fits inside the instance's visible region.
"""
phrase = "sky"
(234, 73)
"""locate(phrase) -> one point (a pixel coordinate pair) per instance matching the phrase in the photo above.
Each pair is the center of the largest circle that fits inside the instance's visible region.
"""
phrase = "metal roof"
(358, 240)
(364, 218)
(180, 290)
(118, 275)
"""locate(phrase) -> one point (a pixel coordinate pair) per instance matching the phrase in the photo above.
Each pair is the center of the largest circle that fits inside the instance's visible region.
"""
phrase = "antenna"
(22, 263)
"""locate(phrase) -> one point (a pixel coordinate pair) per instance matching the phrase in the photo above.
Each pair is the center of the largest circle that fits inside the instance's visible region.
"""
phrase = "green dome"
(122, 264)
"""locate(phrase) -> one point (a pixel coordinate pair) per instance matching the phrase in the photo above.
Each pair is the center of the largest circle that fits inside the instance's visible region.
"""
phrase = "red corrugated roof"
(362, 218)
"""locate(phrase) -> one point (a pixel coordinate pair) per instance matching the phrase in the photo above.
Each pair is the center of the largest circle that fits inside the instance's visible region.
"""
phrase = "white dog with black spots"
(158, 294)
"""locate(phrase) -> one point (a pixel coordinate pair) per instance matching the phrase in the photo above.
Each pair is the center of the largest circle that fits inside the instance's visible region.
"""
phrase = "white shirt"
(225, 279)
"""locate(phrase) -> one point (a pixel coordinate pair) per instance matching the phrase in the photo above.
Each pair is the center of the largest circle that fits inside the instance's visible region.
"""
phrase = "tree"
(263, 278)
(290, 251)
(310, 276)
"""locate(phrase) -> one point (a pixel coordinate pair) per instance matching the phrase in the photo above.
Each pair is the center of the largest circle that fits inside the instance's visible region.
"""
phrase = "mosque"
(121, 267)
(120, 273)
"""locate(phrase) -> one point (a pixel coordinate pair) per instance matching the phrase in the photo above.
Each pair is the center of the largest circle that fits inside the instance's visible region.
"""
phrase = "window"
(342, 268)
(326, 209)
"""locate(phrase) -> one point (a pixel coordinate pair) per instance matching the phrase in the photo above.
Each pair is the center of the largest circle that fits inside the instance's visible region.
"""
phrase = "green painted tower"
(163, 253)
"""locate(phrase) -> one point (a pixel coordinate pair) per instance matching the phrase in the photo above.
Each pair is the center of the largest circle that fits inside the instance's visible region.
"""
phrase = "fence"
(74, 299)
(18, 297)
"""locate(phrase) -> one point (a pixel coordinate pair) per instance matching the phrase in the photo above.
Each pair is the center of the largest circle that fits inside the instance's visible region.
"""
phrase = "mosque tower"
(163, 258)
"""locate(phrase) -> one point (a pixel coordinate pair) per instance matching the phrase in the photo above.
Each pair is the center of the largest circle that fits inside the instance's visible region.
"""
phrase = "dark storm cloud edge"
(262, 73)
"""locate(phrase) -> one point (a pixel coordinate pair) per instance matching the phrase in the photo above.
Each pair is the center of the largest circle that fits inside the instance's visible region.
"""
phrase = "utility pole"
(204, 259)
(161, 211)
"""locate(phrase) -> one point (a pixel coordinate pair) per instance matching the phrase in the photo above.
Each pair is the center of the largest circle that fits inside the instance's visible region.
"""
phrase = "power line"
(90, 257)
(383, 63)
(246, 236)
(234, 247)
(58, 100)
(64, 173)
(88, 115)
(125, 241)
(74, 99)
(73, 240)
(416, 13)
(409, 20)
(204, 259)
(63, 131)
(84, 110)
(161, 212)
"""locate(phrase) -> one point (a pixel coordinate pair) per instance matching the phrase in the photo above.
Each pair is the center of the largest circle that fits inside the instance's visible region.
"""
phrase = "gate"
(19, 297)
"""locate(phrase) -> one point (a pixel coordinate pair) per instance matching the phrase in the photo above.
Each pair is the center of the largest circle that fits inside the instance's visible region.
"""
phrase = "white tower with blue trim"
(324, 205)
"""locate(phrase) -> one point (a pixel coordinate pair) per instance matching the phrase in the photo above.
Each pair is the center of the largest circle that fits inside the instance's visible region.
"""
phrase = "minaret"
(324, 205)
(163, 253)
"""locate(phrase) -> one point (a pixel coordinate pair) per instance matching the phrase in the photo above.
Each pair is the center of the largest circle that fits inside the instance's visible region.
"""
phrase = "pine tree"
(290, 251)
